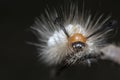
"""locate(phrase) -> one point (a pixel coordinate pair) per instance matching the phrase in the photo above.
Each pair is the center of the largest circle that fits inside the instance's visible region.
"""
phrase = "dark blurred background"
(19, 61)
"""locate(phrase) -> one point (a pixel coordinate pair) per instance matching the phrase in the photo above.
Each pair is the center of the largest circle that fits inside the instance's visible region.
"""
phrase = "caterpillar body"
(68, 35)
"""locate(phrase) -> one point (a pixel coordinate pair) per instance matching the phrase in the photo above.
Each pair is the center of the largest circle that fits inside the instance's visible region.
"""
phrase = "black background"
(19, 61)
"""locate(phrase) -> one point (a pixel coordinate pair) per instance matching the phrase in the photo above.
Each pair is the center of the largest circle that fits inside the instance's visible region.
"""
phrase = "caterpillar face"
(68, 35)
(77, 42)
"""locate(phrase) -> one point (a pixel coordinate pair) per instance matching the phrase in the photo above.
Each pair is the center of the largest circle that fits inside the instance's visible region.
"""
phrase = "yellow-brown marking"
(76, 37)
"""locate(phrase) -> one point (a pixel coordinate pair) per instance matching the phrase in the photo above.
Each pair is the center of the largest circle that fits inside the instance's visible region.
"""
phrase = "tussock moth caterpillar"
(70, 36)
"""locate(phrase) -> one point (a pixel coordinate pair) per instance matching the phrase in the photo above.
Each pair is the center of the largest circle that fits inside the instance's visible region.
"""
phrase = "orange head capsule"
(77, 42)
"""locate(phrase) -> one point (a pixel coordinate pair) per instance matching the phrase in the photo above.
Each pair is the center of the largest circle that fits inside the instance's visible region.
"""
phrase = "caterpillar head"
(77, 42)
